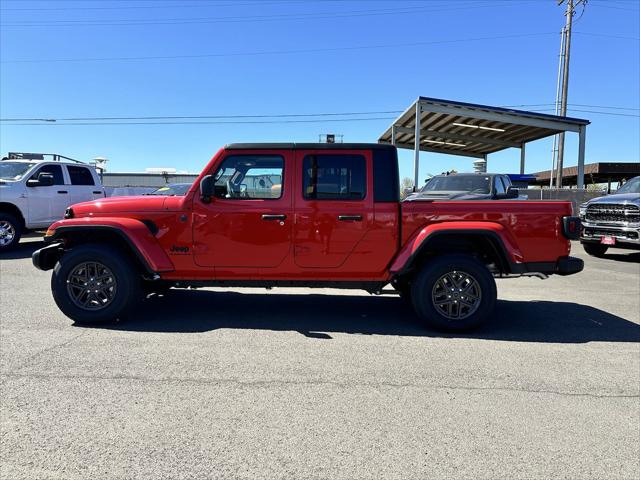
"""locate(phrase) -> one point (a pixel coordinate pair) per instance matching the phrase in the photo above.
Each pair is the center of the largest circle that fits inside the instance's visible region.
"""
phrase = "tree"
(406, 187)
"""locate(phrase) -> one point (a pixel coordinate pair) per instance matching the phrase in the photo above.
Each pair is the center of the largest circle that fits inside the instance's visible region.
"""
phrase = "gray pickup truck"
(467, 186)
(612, 221)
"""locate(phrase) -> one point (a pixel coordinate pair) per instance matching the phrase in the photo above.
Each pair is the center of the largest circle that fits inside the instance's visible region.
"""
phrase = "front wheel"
(595, 249)
(454, 293)
(10, 232)
(95, 283)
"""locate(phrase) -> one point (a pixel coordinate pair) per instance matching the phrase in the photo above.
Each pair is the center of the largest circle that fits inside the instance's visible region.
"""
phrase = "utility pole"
(570, 11)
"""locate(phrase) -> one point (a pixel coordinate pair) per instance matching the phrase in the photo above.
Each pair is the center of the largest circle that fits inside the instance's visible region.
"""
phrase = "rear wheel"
(595, 249)
(95, 283)
(10, 232)
(454, 293)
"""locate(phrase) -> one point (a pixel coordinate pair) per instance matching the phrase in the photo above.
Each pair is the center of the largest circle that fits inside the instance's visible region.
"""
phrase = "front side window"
(80, 175)
(499, 188)
(334, 177)
(55, 170)
(246, 177)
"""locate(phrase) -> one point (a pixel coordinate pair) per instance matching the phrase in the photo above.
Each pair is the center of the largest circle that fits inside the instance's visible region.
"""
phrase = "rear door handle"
(274, 217)
(97, 192)
(350, 218)
(62, 191)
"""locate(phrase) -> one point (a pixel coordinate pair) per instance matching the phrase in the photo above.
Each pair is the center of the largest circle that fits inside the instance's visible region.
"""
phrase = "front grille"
(612, 213)
(599, 232)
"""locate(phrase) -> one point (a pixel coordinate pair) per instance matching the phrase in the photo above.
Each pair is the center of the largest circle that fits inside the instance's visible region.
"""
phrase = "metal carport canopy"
(471, 130)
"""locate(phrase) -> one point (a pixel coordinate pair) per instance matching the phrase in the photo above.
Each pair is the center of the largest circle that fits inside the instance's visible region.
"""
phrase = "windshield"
(632, 186)
(459, 183)
(170, 190)
(14, 171)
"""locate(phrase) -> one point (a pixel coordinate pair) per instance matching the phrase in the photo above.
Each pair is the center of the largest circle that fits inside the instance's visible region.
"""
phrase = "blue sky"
(301, 57)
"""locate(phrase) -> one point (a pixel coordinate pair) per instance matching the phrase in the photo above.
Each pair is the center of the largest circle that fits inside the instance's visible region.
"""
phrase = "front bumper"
(46, 257)
(592, 232)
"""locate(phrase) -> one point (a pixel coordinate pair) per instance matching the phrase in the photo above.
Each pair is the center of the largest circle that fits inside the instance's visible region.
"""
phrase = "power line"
(613, 7)
(622, 37)
(87, 121)
(252, 18)
(202, 117)
(52, 119)
(250, 122)
(603, 106)
(605, 113)
(138, 7)
(278, 52)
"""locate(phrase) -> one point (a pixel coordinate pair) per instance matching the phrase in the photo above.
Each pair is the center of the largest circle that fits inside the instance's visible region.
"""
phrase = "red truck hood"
(142, 203)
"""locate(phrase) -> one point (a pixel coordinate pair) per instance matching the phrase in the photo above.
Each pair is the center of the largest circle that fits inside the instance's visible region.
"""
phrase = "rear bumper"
(564, 266)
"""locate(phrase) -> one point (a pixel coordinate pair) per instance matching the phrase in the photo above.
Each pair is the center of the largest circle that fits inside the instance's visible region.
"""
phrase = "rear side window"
(334, 177)
(55, 170)
(80, 175)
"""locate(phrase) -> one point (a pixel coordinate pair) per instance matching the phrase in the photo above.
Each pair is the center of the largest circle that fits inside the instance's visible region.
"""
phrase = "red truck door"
(249, 221)
(333, 207)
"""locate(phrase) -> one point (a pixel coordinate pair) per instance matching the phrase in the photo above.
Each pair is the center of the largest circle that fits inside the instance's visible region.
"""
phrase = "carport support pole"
(393, 134)
(582, 134)
(416, 154)
(522, 157)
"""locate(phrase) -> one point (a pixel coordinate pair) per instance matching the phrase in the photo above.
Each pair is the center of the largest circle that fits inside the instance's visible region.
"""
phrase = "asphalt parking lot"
(306, 384)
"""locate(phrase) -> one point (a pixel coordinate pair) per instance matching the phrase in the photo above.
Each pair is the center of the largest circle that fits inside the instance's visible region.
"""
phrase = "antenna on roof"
(330, 138)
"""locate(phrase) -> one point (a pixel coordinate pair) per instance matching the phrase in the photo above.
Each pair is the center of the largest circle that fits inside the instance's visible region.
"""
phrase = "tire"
(122, 294)
(595, 249)
(10, 232)
(471, 278)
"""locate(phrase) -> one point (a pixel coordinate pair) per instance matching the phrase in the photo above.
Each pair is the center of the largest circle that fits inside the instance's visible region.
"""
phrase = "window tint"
(55, 170)
(334, 177)
(250, 176)
(499, 187)
(80, 175)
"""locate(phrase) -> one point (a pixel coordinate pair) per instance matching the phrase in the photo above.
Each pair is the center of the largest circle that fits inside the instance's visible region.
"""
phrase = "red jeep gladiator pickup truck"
(307, 215)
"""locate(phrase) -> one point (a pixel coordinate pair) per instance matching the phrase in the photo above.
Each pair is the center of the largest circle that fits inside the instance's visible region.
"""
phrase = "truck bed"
(528, 225)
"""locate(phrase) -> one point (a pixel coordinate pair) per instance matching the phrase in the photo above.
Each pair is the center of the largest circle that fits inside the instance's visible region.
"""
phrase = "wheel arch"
(487, 244)
(139, 244)
(12, 209)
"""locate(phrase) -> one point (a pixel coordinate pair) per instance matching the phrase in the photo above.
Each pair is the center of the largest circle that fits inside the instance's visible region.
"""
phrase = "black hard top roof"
(308, 146)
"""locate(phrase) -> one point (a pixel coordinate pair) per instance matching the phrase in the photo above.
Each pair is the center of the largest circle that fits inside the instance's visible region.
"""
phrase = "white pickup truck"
(36, 193)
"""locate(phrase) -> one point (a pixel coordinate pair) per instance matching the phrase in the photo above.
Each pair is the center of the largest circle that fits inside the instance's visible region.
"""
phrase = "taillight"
(571, 227)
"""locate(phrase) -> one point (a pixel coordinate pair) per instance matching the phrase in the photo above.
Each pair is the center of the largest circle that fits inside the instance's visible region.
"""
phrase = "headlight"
(583, 210)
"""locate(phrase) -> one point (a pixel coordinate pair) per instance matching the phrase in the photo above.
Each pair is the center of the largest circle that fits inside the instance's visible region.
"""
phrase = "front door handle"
(62, 191)
(350, 218)
(274, 217)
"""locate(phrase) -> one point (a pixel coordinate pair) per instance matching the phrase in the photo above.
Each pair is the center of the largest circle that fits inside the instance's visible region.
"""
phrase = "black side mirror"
(512, 192)
(44, 180)
(207, 186)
